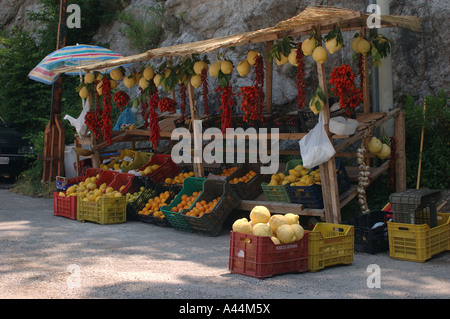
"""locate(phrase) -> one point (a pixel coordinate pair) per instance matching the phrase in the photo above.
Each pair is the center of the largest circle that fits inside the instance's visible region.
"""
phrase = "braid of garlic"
(363, 176)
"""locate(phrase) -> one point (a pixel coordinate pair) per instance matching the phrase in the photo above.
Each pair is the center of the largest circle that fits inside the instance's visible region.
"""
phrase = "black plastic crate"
(251, 189)
(136, 205)
(160, 188)
(309, 196)
(415, 206)
(371, 231)
(211, 223)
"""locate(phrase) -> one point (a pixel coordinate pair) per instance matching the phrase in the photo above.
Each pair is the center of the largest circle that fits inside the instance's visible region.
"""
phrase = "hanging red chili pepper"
(300, 77)
(342, 80)
(167, 105)
(205, 92)
(93, 121)
(226, 102)
(106, 117)
(183, 101)
(259, 85)
(121, 99)
(155, 131)
(248, 104)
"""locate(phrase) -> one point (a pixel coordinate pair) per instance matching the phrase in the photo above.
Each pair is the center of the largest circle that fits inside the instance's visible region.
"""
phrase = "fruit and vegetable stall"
(199, 197)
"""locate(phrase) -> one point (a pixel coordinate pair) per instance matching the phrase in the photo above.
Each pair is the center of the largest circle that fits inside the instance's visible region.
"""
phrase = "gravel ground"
(43, 256)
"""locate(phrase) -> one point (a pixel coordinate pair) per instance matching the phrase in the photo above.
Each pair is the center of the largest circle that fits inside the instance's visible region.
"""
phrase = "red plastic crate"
(259, 257)
(123, 179)
(167, 168)
(65, 206)
(106, 177)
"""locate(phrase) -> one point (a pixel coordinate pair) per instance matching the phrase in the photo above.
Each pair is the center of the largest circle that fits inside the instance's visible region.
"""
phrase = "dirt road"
(46, 256)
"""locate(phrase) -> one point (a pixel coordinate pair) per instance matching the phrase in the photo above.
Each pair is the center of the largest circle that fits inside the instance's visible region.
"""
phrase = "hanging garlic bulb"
(363, 176)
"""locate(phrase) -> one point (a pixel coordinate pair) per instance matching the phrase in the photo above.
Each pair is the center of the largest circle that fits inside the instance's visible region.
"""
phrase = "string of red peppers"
(226, 102)
(167, 105)
(155, 131)
(121, 99)
(300, 77)
(93, 118)
(205, 92)
(183, 102)
(248, 103)
(343, 81)
(107, 107)
(259, 85)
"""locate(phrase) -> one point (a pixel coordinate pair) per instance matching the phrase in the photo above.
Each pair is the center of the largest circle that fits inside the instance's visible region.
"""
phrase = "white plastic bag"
(316, 147)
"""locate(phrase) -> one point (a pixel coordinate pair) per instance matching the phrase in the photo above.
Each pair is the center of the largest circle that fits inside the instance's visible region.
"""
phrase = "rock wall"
(419, 60)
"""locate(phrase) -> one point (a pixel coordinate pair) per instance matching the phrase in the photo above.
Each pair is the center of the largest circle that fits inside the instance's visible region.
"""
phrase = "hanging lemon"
(320, 55)
(215, 68)
(333, 46)
(199, 66)
(129, 81)
(309, 45)
(157, 79)
(243, 68)
(226, 67)
(251, 57)
(149, 73)
(89, 78)
(196, 80)
(282, 60)
(116, 74)
(363, 46)
(144, 83)
(83, 92)
(292, 57)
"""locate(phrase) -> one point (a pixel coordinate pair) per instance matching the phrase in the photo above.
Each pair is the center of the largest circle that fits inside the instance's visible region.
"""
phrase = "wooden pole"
(269, 77)
(328, 170)
(421, 147)
(199, 170)
(53, 157)
(400, 163)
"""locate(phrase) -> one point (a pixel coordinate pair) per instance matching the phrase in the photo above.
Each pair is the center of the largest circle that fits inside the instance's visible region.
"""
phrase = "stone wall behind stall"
(419, 60)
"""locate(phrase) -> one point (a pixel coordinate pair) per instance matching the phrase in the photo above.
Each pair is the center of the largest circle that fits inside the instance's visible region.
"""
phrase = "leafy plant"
(435, 122)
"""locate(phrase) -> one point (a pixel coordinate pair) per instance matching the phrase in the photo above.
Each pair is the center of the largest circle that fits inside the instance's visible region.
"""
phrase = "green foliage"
(23, 102)
(435, 122)
(143, 29)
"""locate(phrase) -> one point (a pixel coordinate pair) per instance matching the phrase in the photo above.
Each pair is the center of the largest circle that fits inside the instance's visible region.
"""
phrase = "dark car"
(13, 149)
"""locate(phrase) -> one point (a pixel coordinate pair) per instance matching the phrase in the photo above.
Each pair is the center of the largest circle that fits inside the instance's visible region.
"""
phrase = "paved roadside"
(45, 256)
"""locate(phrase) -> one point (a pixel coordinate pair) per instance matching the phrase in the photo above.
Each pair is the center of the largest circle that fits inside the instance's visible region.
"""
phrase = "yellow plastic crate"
(419, 242)
(107, 210)
(329, 245)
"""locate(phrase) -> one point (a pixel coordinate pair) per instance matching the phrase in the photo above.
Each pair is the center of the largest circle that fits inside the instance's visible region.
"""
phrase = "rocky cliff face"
(419, 60)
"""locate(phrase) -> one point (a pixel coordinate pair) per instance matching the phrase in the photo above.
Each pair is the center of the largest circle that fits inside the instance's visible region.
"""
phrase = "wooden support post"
(54, 136)
(269, 76)
(199, 170)
(400, 162)
(328, 170)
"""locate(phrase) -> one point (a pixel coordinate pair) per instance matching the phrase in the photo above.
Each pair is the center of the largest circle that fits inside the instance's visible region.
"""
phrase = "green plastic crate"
(176, 220)
(280, 193)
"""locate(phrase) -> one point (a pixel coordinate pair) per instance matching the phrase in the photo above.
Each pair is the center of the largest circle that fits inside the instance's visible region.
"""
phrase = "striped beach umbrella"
(70, 56)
